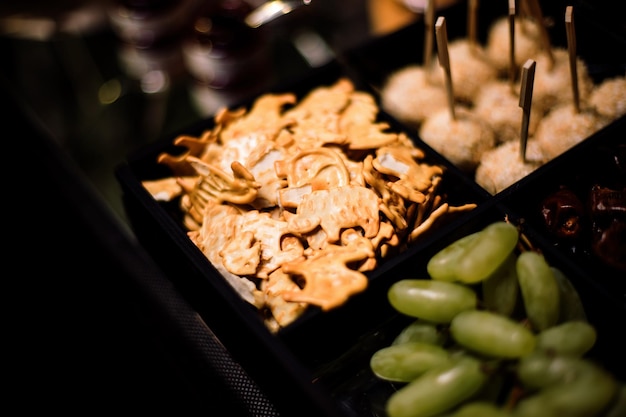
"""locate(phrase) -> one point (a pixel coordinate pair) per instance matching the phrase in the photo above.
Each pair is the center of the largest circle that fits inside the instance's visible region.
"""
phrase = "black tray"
(319, 364)
(284, 363)
(376, 60)
(351, 381)
(591, 162)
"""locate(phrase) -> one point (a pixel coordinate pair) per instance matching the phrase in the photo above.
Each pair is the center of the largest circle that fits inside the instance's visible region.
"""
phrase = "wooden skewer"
(571, 48)
(537, 14)
(525, 102)
(524, 11)
(429, 21)
(472, 22)
(512, 65)
(441, 33)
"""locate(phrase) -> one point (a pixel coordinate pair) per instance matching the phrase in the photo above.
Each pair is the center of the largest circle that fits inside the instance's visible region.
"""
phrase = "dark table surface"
(96, 327)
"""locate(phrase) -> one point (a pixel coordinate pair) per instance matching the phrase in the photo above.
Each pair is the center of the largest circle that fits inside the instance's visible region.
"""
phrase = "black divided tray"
(598, 161)
(319, 365)
(355, 387)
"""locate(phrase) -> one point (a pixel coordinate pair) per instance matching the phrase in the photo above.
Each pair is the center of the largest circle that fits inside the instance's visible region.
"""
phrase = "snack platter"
(319, 363)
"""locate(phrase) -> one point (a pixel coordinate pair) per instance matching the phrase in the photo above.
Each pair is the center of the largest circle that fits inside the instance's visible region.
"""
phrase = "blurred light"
(203, 25)
(28, 27)
(313, 48)
(110, 91)
(155, 81)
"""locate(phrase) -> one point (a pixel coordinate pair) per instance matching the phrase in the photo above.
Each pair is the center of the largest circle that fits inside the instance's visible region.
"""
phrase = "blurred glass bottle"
(151, 33)
(228, 60)
(148, 23)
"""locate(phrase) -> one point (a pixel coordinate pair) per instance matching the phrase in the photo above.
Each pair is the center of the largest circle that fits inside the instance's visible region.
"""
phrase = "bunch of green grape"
(497, 332)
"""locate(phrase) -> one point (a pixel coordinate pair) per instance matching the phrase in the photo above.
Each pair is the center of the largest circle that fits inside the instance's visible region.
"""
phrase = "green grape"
(535, 406)
(420, 331)
(570, 305)
(539, 288)
(493, 245)
(407, 361)
(540, 370)
(438, 390)
(588, 395)
(442, 265)
(584, 391)
(434, 301)
(501, 290)
(574, 338)
(480, 409)
(618, 406)
(492, 334)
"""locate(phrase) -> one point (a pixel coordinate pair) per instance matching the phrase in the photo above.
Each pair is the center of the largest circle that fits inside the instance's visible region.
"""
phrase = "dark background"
(93, 324)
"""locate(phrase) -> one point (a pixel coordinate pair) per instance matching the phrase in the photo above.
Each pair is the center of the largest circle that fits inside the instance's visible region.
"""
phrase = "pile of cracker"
(294, 201)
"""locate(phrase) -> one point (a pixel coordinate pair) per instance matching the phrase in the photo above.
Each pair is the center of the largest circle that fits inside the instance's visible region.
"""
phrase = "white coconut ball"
(528, 45)
(410, 95)
(553, 81)
(564, 127)
(609, 98)
(462, 140)
(498, 104)
(470, 69)
(503, 166)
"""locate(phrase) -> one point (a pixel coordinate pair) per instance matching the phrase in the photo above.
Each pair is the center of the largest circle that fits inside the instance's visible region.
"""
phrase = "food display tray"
(597, 161)
(349, 377)
(315, 338)
(319, 365)
(595, 24)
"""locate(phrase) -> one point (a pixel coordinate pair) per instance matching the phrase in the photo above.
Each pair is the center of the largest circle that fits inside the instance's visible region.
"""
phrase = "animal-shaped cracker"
(323, 166)
(358, 123)
(261, 165)
(413, 178)
(392, 205)
(283, 312)
(292, 202)
(165, 189)
(310, 170)
(329, 282)
(265, 118)
(336, 209)
(195, 146)
(323, 101)
(218, 229)
(240, 188)
(260, 245)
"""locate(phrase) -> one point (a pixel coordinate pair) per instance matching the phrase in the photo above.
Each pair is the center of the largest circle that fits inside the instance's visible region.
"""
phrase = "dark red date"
(563, 214)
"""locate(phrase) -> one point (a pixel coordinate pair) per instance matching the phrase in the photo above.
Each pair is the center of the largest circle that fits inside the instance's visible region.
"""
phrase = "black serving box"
(319, 365)
(598, 161)
(285, 364)
(351, 381)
